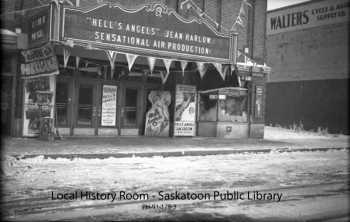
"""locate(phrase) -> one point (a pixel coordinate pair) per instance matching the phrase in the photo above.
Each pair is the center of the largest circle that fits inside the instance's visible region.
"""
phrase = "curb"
(174, 153)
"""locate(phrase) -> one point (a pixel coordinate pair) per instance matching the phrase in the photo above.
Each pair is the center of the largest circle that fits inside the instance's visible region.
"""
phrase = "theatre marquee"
(152, 30)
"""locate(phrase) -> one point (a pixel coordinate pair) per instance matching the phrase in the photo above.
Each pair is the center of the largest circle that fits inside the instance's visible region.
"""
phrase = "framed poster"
(109, 105)
(185, 110)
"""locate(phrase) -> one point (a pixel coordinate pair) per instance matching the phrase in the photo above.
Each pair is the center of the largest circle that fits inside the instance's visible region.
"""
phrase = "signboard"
(109, 105)
(38, 103)
(157, 118)
(40, 61)
(185, 111)
(308, 15)
(152, 30)
(38, 27)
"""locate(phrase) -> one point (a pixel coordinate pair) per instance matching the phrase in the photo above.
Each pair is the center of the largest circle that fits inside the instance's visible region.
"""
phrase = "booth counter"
(223, 113)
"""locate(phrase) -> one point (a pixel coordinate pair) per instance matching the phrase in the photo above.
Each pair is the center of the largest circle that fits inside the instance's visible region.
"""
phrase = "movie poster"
(109, 105)
(157, 118)
(38, 102)
(185, 111)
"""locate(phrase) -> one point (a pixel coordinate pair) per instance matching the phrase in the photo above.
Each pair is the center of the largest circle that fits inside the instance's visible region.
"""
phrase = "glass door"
(85, 106)
(86, 112)
(62, 101)
(129, 110)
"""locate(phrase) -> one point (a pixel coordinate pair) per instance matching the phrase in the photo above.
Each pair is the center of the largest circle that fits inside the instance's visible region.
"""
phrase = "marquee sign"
(152, 30)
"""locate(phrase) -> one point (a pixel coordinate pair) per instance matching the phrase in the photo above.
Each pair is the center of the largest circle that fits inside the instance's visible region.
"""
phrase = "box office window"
(226, 105)
(232, 108)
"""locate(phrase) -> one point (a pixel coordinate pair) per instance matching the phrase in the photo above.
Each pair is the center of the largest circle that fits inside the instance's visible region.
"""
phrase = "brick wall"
(309, 54)
(259, 49)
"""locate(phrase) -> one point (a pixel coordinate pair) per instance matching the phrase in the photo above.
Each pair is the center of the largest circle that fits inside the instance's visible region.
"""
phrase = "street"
(274, 186)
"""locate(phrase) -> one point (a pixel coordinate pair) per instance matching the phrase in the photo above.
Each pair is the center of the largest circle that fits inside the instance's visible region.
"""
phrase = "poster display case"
(223, 112)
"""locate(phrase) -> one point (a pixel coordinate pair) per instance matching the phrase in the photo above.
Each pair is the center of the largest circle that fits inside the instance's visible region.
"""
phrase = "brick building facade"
(76, 115)
(308, 84)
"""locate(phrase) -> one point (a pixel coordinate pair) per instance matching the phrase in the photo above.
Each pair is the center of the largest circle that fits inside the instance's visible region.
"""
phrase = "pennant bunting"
(66, 55)
(218, 67)
(239, 81)
(167, 63)
(201, 69)
(112, 55)
(242, 13)
(164, 76)
(226, 67)
(131, 59)
(183, 66)
(151, 63)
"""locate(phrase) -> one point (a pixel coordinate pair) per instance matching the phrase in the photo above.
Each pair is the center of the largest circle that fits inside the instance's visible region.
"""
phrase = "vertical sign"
(38, 27)
(109, 105)
(185, 111)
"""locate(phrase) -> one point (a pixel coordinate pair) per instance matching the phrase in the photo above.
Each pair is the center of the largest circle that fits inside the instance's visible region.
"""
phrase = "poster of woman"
(157, 118)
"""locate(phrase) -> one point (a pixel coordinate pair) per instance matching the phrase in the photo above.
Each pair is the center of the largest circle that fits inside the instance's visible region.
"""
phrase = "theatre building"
(308, 52)
(152, 68)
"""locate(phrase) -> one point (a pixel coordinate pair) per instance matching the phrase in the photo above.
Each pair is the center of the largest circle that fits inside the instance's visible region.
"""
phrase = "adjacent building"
(308, 51)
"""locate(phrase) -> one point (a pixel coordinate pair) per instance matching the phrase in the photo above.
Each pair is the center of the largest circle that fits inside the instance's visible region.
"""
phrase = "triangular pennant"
(233, 68)
(167, 63)
(239, 81)
(218, 67)
(112, 55)
(201, 69)
(77, 61)
(151, 63)
(164, 76)
(183, 66)
(226, 67)
(131, 59)
(242, 10)
(66, 55)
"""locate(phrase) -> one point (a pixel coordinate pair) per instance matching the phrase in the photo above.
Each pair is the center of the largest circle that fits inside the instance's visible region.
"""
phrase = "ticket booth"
(223, 112)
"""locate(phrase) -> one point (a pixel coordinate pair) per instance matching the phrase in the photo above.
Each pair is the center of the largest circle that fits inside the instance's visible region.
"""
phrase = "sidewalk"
(104, 147)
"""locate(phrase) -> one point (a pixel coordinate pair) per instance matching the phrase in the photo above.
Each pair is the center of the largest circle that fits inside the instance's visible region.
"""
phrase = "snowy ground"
(313, 186)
